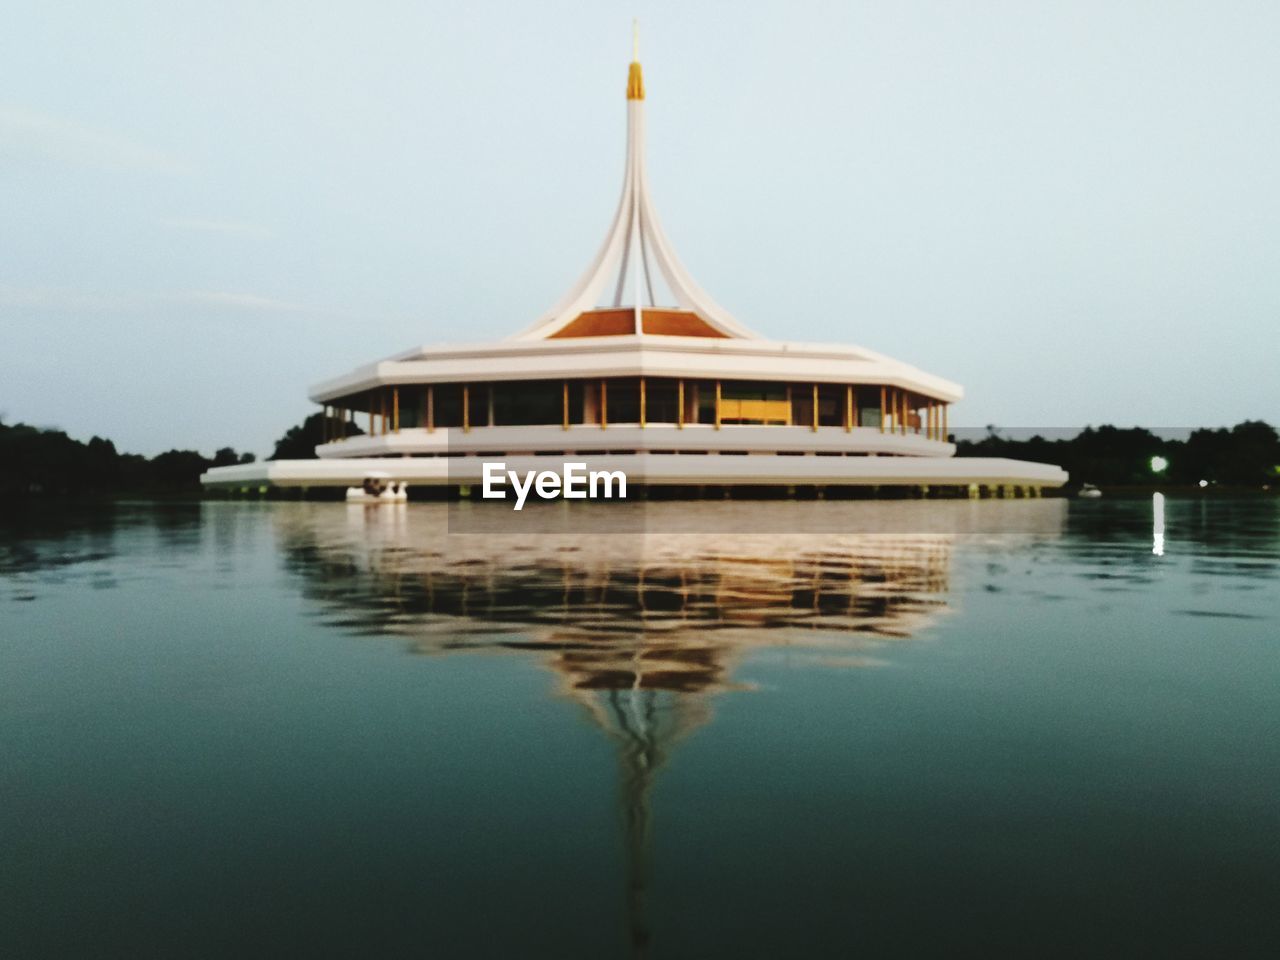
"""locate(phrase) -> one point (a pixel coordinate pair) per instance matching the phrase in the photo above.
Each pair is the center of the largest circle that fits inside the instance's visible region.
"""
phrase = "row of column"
(895, 403)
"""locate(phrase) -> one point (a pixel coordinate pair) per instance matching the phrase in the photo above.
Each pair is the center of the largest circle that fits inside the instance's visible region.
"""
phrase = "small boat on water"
(1089, 492)
(378, 488)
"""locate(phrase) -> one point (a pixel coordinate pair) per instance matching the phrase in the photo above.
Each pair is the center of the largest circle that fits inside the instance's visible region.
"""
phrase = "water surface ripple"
(1026, 728)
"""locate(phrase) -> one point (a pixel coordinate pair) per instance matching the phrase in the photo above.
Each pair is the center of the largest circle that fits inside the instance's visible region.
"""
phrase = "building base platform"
(658, 470)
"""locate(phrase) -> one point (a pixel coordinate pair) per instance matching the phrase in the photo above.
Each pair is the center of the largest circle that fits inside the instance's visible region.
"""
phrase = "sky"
(1072, 209)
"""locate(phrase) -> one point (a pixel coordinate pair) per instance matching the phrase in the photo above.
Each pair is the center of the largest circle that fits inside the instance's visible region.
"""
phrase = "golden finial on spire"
(635, 80)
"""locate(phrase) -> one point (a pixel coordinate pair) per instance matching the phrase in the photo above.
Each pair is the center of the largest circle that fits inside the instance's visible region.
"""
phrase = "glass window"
(831, 405)
(528, 402)
(448, 404)
(867, 400)
(754, 402)
(802, 404)
(661, 400)
(624, 400)
(413, 407)
(704, 400)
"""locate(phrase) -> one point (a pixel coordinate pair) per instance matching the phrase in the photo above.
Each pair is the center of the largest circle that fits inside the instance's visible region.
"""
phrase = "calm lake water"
(1028, 728)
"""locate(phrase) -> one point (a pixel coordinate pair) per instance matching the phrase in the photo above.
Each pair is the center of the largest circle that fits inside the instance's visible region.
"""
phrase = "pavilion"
(637, 367)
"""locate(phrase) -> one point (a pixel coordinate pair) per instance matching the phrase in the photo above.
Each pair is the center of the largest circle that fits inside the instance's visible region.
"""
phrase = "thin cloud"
(47, 137)
(243, 301)
(237, 227)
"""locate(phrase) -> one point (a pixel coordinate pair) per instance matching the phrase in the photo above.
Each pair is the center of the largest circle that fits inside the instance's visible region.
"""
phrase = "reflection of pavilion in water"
(608, 612)
(642, 629)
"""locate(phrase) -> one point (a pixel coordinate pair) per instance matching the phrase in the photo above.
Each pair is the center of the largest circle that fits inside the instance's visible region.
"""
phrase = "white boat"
(378, 488)
(1089, 492)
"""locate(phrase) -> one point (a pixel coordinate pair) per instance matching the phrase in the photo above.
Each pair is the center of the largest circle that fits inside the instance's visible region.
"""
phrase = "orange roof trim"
(621, 322)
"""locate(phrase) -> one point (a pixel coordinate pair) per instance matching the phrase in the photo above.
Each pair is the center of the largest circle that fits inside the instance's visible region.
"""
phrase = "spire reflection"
(642, 631)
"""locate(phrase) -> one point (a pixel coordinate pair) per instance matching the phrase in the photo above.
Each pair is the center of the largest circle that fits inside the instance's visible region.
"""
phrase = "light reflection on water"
(640, 630)
(1094, 700)
(397, 572)
(644, 630)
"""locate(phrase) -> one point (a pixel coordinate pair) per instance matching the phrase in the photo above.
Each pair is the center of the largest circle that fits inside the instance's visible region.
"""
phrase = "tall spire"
(636, 241)
(635, 79)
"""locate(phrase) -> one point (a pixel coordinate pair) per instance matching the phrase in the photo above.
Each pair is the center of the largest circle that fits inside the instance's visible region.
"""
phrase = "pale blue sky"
(1072, 209)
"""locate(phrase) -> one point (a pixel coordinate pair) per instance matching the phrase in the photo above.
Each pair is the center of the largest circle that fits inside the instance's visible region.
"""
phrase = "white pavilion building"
(637, 368)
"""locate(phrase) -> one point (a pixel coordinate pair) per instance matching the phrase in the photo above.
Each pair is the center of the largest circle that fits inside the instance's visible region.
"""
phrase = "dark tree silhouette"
(1247, 455)
(36, 462)
(300, 442)
(226, 457)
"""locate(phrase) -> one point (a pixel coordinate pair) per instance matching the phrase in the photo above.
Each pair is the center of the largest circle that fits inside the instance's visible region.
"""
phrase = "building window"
(867, 400)
(662, 400)
(830, 405)
(523, 403)
(701, 397)
(802, 404)
(753, 402)
(413, 407)
(624, 400)
(448, 405)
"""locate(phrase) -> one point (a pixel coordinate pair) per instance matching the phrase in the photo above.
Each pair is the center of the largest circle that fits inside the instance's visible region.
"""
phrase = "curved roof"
(694, 338)
(635, 252)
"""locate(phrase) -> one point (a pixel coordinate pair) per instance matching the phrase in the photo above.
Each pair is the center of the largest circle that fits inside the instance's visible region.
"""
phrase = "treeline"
(48, 462)
(1246, 455)
(35, 462)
